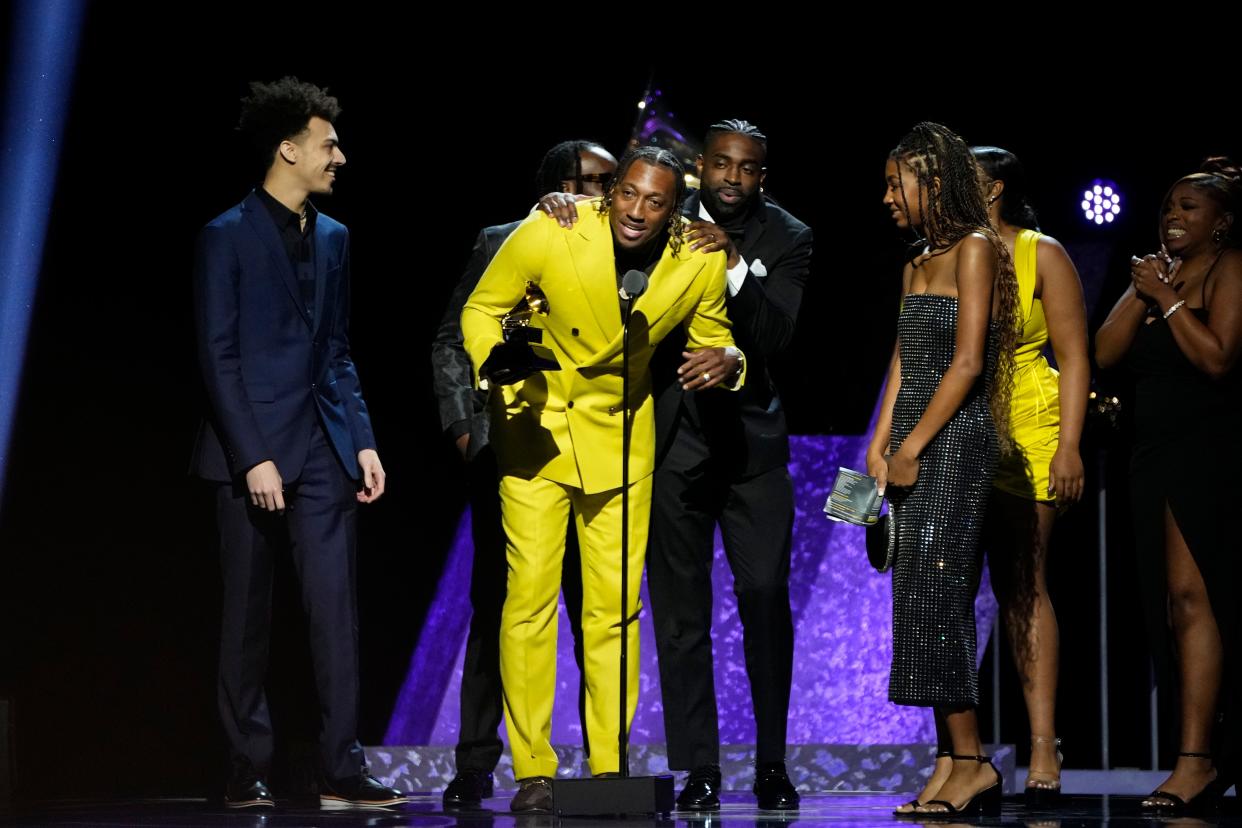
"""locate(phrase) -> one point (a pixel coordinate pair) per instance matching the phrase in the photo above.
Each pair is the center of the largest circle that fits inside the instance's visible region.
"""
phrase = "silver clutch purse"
(856, 500)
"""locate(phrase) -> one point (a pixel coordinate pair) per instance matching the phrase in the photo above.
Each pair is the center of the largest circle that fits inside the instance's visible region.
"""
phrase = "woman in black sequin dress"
(935, 448)
(1179, 327)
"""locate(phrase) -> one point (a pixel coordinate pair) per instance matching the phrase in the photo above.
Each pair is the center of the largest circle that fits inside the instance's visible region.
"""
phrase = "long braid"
(952, 206)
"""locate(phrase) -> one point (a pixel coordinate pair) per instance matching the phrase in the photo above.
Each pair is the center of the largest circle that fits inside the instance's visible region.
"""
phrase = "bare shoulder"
(977, 244)
(1224, 291)
(1226, 279)
(1231, 263)
(975, 249)
(1048, 249)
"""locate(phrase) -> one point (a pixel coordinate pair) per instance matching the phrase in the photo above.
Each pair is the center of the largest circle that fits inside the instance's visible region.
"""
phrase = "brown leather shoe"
(534, 796)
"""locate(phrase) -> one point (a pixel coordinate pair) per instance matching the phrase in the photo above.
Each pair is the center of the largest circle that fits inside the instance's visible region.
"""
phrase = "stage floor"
(738, 810)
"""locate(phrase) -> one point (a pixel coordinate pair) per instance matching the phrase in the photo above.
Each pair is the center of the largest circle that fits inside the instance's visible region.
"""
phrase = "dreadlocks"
(656, 157)
(952, 207)
(561, 163)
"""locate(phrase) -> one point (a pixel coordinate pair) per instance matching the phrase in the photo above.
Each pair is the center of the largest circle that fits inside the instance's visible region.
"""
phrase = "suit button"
(612, 409)
(569, 404)
(573, 331)
(314, 386)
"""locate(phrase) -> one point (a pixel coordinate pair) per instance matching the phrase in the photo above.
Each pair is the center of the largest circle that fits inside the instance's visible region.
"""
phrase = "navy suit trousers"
(318, 529)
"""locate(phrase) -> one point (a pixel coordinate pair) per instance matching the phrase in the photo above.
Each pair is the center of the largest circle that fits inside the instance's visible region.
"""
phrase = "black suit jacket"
(462, 409)
(745, 430)
(270, 369)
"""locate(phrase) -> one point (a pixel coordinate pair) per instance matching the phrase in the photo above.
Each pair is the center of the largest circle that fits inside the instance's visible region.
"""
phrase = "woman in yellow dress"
(1044, 472)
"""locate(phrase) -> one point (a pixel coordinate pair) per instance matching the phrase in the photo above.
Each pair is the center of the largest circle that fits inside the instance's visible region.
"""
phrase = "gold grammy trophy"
(516, 358)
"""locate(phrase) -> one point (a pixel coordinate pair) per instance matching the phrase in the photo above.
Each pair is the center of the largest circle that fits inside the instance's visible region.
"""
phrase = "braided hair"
(561, 163)
(737, 127)
(952, 207)
(656, 157)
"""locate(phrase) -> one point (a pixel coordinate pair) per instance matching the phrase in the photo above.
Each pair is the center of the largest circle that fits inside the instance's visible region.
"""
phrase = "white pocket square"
(757, 268)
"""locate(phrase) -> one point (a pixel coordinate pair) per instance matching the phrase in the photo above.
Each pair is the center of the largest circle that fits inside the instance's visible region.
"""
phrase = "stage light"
(40, 74)
(1101, 202)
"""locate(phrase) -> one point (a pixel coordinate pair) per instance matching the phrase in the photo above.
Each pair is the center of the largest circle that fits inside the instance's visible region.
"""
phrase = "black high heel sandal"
(1206, 800)
(1037, 797)
(985, 803)
(914, 803)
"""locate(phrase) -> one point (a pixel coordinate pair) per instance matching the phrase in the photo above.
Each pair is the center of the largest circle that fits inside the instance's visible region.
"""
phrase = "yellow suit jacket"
(565, 425)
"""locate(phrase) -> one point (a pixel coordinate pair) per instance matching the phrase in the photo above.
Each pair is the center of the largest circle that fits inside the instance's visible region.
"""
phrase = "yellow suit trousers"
(534, 511)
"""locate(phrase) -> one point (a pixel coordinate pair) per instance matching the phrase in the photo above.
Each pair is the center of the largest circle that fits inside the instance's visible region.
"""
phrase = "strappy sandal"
(986, 802)
(1043, 788)
(1207, 799)
(913, 804)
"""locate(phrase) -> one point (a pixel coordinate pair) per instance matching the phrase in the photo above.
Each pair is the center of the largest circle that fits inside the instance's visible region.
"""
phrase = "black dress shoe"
(468, 789)
(361, 791)
(247, 791)
(773, 788)
(702, 791)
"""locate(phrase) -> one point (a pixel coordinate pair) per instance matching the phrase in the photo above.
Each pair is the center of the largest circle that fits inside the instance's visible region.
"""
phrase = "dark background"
(109, 593)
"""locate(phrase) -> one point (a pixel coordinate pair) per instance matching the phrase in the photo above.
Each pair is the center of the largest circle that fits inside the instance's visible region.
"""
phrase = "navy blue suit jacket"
(269, 368)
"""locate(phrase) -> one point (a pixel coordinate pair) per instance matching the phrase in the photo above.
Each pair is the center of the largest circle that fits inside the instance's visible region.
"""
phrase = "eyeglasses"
(602, 179)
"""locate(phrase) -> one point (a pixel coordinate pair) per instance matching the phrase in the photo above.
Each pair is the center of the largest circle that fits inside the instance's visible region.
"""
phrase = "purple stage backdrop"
(843, 638)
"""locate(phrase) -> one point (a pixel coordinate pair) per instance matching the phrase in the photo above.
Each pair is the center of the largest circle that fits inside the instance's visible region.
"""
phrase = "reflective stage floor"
(737, 810)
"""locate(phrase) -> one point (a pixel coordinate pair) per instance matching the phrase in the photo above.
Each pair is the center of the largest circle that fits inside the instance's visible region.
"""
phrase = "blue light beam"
(40, 76)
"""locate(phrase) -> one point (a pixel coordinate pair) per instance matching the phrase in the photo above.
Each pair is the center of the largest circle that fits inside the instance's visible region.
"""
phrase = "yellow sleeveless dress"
(1035, 409)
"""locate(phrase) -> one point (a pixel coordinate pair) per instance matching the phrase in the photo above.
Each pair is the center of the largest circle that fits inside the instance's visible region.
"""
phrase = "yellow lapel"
(590, 247)
(671, 278)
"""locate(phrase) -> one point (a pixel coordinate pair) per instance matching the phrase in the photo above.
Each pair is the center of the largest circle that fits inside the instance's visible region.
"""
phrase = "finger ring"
(712, 237)
(707, 376)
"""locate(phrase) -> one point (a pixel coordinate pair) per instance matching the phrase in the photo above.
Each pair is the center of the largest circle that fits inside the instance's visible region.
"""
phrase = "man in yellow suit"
(558, 435)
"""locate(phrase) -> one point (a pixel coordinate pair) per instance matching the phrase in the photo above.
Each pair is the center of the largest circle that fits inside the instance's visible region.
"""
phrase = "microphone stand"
(623, 736)
(623, 794)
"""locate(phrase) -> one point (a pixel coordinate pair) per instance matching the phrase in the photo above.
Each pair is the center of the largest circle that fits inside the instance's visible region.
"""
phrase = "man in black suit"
(575, 168)
(721, 459)
(287, 441)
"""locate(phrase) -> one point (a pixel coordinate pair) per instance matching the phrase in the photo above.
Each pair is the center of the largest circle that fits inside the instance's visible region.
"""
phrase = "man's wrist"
(738, 368)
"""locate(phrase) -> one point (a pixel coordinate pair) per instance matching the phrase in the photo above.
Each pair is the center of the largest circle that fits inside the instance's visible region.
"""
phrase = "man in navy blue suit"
(288, 438)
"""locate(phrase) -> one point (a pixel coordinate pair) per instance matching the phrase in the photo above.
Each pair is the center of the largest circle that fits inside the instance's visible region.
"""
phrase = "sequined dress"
(936, 523)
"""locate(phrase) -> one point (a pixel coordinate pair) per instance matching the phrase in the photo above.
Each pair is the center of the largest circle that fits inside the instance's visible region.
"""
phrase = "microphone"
(633, 285)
